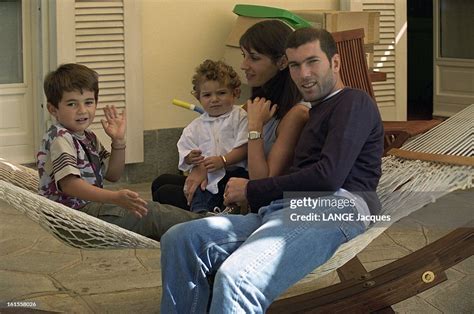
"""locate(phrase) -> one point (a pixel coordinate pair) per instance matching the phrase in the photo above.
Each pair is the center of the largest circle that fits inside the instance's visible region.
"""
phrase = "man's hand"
(213, 163)
(195, 157)
(131, 201)
(196, 179)
(235, 191)
(115, 124)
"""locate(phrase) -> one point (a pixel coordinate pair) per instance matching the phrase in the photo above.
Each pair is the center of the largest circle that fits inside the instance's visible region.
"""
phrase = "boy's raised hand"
(114, 123)
(132, 201)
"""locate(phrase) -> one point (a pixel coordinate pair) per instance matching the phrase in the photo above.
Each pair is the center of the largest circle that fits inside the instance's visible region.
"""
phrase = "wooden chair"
(355, 73)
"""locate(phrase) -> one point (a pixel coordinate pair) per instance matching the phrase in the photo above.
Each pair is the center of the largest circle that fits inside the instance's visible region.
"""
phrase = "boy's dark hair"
(306, 35)
(218, 71)
(268, 37)
(70, 77)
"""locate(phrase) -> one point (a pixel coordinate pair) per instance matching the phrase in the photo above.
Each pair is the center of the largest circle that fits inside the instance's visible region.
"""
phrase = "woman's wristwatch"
(254, 135)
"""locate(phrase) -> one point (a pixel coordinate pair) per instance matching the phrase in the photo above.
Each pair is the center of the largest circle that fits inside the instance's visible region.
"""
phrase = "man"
(258, 256)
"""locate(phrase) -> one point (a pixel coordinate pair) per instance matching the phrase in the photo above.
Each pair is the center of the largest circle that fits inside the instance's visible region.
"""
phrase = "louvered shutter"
(390, 95)
(101, 36)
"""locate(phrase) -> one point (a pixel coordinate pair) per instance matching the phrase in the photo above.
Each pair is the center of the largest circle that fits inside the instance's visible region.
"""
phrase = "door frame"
(20, 142)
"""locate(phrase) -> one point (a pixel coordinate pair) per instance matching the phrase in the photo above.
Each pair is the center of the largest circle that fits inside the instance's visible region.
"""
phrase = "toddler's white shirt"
(214, 136)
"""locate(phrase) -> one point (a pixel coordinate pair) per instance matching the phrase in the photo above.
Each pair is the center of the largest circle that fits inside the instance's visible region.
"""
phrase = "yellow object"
(187, 105)
(183, 104)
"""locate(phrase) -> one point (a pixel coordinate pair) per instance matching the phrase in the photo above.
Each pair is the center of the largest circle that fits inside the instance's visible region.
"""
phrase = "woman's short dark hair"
(269, 37)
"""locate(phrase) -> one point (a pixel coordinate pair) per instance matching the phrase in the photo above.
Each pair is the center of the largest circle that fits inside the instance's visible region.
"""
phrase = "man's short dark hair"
(306, 35)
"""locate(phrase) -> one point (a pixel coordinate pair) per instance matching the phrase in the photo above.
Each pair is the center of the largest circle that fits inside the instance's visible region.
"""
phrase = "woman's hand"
(196, 179)
(259, 111)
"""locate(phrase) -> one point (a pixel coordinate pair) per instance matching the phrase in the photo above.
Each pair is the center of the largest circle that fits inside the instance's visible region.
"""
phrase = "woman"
(275, 111)
(275, 117)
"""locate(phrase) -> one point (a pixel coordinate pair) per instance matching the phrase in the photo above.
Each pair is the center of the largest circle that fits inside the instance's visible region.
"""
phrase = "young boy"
(73, 164)
(218, 138)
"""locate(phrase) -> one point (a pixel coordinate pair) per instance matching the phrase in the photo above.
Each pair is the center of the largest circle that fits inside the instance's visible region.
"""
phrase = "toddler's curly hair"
(218, 71)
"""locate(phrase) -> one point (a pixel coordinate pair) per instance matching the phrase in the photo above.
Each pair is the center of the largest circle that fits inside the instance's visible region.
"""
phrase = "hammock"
(405, 186)
(18, 188)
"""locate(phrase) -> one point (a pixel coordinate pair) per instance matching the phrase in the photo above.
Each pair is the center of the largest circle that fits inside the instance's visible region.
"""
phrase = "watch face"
(254, 135)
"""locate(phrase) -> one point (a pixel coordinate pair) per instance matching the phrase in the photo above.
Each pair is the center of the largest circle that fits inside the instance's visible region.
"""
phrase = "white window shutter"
(104, 36)
(390, 57)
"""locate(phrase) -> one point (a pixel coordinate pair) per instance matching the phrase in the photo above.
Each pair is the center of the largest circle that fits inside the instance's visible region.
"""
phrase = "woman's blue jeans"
(254, 258)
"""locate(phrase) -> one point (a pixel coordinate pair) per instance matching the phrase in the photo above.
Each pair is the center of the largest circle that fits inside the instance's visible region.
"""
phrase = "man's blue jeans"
(254, 258)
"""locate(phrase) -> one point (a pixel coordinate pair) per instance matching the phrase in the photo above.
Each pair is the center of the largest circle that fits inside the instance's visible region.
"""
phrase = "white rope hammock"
(18, 187)
(405, 186)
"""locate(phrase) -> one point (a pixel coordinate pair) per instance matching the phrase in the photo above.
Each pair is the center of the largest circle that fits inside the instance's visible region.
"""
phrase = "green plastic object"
(270, 12)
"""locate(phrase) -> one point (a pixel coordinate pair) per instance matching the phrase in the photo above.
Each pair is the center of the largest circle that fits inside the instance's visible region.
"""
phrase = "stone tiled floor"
(36, 267)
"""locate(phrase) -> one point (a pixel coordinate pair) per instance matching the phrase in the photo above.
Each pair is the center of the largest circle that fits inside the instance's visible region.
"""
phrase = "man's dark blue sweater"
(340, 147)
